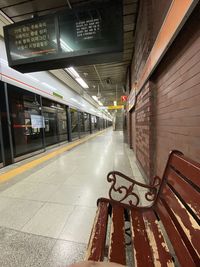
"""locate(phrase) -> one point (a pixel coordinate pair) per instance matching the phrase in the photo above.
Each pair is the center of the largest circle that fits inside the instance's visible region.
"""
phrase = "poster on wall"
(37, 121)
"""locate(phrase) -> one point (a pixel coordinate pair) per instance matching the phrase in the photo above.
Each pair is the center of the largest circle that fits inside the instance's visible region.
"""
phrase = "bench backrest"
(178, 206)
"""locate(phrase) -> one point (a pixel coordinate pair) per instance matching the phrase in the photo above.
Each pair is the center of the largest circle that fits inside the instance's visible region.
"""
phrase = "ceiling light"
(49, 86)
(77, 77)
(82, 82)
(100, 104)
(115, 103)
(72, 72)
(64, 45)
(31, 77)
(73, 99)
(95, 98)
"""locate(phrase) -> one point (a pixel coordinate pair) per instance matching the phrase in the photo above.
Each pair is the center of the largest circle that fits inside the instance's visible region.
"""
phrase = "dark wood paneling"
(177, 85)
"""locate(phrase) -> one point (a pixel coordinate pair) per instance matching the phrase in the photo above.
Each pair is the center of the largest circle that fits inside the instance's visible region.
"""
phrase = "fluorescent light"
(17, 55)
(95, 98)
(77, 77)
(100, 104)
(72, 72)
(82, 82)
(49, 86)
(31, 77)
(115, 103)
(65, 46)
(73, 99)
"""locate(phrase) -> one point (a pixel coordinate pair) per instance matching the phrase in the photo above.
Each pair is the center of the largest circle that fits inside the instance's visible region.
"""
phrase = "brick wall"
(133, 130)
(167, 112)
(177, 84)
(144, 124)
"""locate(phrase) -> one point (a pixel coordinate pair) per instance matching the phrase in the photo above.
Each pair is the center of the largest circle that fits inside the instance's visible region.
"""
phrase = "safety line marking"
(27, 166)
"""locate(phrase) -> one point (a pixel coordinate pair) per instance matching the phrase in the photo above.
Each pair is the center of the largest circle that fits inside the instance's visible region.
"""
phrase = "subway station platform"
(88, 87)
(46, 212)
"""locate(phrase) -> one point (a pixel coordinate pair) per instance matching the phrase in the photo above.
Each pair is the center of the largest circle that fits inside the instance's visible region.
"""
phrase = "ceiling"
(110, 77)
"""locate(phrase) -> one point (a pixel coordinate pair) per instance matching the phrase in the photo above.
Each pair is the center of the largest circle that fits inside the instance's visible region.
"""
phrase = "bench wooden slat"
(186, 224)
(97, 241)
(187, 168)
(184, 257)
(187, 193)
(117, 236)
(172, 221)
(161, 254)
(140, 241)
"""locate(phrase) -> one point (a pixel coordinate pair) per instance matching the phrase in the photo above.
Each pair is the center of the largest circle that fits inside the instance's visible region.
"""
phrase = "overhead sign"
(124, 98)
(115, 107)
(81, 36)
(57, 95)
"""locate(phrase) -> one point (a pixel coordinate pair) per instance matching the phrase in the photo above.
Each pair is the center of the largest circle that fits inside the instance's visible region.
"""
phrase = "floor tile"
(23, 250)
(32, 191)
(49, 220)
(67, 195)
(79, 224)
(56, 203)
(14, 213)
(65, 253)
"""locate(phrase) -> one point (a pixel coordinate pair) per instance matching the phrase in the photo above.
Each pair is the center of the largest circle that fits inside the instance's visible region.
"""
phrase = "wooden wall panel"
(177, 85)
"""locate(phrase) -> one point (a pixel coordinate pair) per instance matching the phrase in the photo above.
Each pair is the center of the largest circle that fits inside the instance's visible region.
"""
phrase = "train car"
(37, 111)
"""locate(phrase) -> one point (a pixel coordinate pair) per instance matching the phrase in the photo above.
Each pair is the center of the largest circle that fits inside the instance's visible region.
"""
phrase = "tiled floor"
(46, 214)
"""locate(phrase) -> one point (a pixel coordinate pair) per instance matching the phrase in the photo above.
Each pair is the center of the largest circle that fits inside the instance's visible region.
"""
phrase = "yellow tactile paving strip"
(27, 166)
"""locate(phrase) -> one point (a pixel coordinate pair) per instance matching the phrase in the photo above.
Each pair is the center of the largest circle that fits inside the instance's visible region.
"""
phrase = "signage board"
(81, 36)
(124, 98)
(115, 107)
(57, 95)
(37, 121)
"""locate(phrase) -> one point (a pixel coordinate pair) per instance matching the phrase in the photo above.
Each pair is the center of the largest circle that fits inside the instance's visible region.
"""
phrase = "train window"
(1, 134)
(26, 121)
(74, 123)
(82, 124)
(87, 122)
(55, 118)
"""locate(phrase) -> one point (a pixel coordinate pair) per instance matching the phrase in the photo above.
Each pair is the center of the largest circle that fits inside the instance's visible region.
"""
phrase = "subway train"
(38, 111)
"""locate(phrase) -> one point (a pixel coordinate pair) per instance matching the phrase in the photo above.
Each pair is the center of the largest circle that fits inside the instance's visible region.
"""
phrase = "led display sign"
(81, 36)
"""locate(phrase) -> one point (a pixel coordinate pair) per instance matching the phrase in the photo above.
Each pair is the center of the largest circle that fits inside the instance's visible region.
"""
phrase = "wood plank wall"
(177, 85)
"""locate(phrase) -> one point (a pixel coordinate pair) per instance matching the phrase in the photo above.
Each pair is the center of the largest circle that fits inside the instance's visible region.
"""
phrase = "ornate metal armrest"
(125, 192)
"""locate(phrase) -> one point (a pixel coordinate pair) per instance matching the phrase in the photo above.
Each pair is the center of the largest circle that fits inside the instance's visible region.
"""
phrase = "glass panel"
(34, 39)
(98, 123)
(1, 97)
(62, 123)
(55, 118)
(1, 159)
(87, 122)
(95, 124)
(82, 124)
(26, 121)
(74, 123)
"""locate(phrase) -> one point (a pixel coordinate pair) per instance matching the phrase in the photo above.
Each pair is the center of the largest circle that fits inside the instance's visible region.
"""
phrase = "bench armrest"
(127, 194)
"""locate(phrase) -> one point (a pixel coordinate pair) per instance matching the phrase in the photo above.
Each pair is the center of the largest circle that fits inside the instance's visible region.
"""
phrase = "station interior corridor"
(46, 213)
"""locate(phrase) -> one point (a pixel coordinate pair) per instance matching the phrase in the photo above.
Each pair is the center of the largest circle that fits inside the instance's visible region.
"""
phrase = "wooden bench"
(165, 233)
